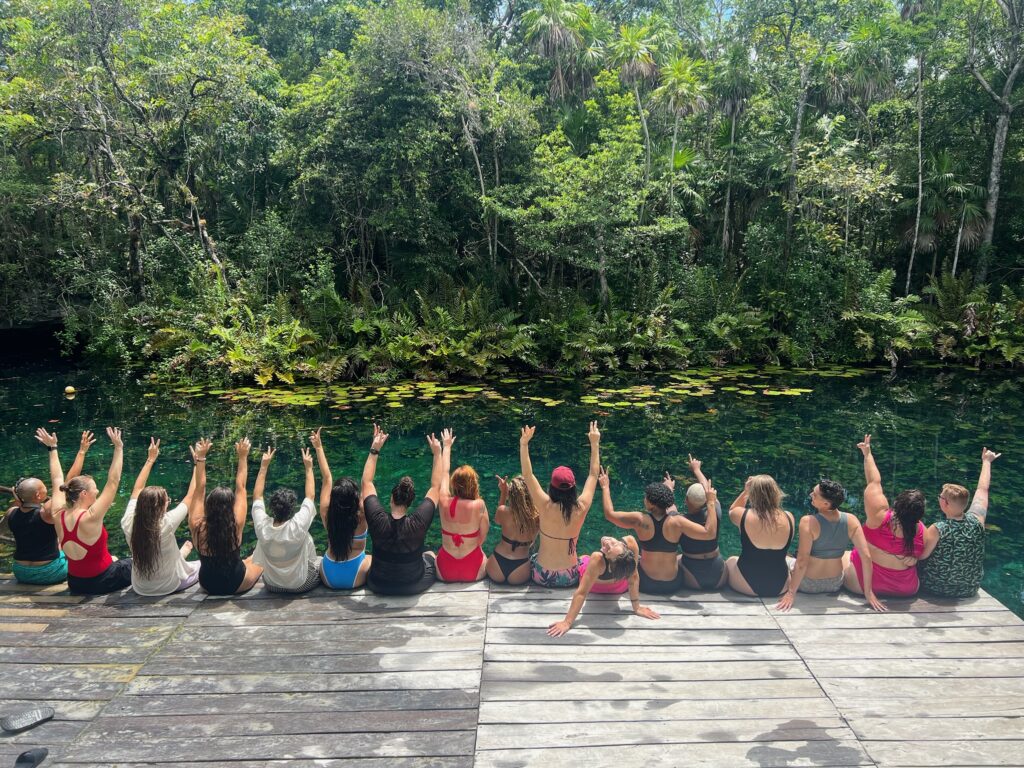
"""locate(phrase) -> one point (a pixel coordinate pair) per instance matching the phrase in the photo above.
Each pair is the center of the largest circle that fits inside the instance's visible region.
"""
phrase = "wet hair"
(219, 532)
(621, 567)
(659, 495)
(566, 499)
(466, 483)
(145, 539)
(832, 492)
(282, 503)
(404, 493)
(342, 517)
(74, 488)
(765, 498)
(908, 509)
(521, 505)
(956, 495)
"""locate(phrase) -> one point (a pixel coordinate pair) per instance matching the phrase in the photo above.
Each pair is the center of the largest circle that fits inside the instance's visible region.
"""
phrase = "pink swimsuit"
(603, 587)
(889, 581)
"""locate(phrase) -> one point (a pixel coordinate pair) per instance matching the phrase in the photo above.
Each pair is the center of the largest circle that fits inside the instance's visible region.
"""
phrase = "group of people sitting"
(62, 536)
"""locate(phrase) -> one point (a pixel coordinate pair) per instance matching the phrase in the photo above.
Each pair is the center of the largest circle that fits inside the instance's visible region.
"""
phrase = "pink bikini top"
(883, 538)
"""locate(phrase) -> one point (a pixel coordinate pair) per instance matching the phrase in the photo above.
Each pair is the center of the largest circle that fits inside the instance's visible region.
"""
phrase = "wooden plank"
(651, 710)
(646, 636)
(937, 728)
(463, 761)
(292, 703)
(161, 751)
(533, 592)
(589, 735)
(63, 710)
(49, 733)
(386, 633)
(866, 621)
(8, 627)
(946, 753)
(847, 603)
(614, 691)
(321, 664)
(143, 729)
(32, 613)
(68, 638)
(663, 654)
(947, 706)
(10, 586)
(627, 620)
(35, 599)
(779, 754)
(907, 636)
(841, 689)
(933, 650)
(919, 669)
(627, 670)
(341, 645)
(503, 605)
(305, 683)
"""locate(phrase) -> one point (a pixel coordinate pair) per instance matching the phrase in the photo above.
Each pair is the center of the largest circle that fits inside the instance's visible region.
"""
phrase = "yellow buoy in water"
(69, 390)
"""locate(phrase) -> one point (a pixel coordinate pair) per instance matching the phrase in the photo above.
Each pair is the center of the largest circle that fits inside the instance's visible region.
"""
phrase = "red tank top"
(97, 557)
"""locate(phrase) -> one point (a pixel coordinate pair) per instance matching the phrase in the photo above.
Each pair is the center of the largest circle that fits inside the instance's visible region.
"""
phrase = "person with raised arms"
(217, 522)
(345, 564)
(658, 530)
(37, 557)
(953, 561)
(520, 525)
(284, 548)
(825, 537)
(464, 525)
(895, 537)
(562, 511)
(702, 562)
(611, 570)
(401, 564)
(159, 565)
(83, 537)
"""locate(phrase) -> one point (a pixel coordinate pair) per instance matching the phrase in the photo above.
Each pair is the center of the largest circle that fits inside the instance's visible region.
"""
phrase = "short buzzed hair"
(696, 494)
(956, 495)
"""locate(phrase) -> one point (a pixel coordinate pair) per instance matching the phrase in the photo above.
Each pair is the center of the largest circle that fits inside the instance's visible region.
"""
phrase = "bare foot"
(186, 548)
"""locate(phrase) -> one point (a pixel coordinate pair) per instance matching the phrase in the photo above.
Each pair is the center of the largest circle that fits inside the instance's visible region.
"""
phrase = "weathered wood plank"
(844, 602)
(779, 754)
(947, 706)
(627, 670)
(22, 628)
(500, 605)
(66, 637)
(844, 689)
(937, 728)
(32, 613)
(378, 634)
(340, 644)
(919, 669)
(290, 703)
(646, 635)
(661, 654)
(320, 664)
(946, 753)
(296, 683)
(627, 620)
(613, 691)
(533, 592)
(919, 619)
(51, 732)
(907, 635)
(589, 735)
(927, 650)
(161, 751)
(464, 761)
(63, 710)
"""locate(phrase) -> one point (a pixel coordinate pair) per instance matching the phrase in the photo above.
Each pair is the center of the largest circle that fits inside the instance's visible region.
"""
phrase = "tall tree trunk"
(794, 152)
(672, 169)
(135, 269)
(647, 135)
(992, 203)
(728, 192)
(959, 237)
(492, 250)
(920, 169)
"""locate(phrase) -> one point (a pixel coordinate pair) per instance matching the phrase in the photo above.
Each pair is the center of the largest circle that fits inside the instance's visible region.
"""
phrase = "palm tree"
(553, 30)
(595, 32)
(633, 53)
(682, 93)
(734, 87)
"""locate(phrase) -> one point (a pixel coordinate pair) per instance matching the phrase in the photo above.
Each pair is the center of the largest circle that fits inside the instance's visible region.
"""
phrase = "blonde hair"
(956, 495)
(765, 497)
(521, 505)
(466, 483)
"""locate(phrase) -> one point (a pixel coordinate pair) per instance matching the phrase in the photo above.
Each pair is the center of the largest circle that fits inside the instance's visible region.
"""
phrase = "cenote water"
(928, 428)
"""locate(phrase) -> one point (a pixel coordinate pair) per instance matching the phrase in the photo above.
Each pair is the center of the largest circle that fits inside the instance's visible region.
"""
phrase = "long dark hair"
(908, 509)
(342, 517)
(145, 540)
(566, 499)
(404, 493)
(219, 532)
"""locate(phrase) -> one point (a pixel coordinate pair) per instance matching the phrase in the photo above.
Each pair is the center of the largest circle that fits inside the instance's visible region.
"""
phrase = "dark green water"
(928, 428)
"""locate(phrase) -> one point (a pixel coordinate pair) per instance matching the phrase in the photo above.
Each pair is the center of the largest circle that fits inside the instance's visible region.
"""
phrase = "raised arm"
(738, 506)
(367, 487)
(197, 509)
(979, 504)
(261, 476)
(447, 441)
(875, 503)
(502, 509)
(143, 479)
(83, 448)
(57, 499)
(242, 448)
(526, 466)
(867, 567)
(307, 465)
(695, 465)
(326, 478)
(590, 485)
(630, 520)
(106, 498)
(190, 494)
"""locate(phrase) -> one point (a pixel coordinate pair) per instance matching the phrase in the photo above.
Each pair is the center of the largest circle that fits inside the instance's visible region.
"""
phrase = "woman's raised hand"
(114, 433)
(314, 439)
(86, 442)
(502, 485)
(268, 456)
(201, 449)
(242, 448)
(594, 434)
(526, 435)
(602, 478)
(447, 437)
(154, 449)
(989, 456)
(669, 482)
(49, 439)
(379, 438)
(712, 495)
(865, 445)
(307, 458)
(434, 443)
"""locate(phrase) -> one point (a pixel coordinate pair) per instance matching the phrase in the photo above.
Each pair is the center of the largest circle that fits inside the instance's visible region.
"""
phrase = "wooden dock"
(465, 675)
